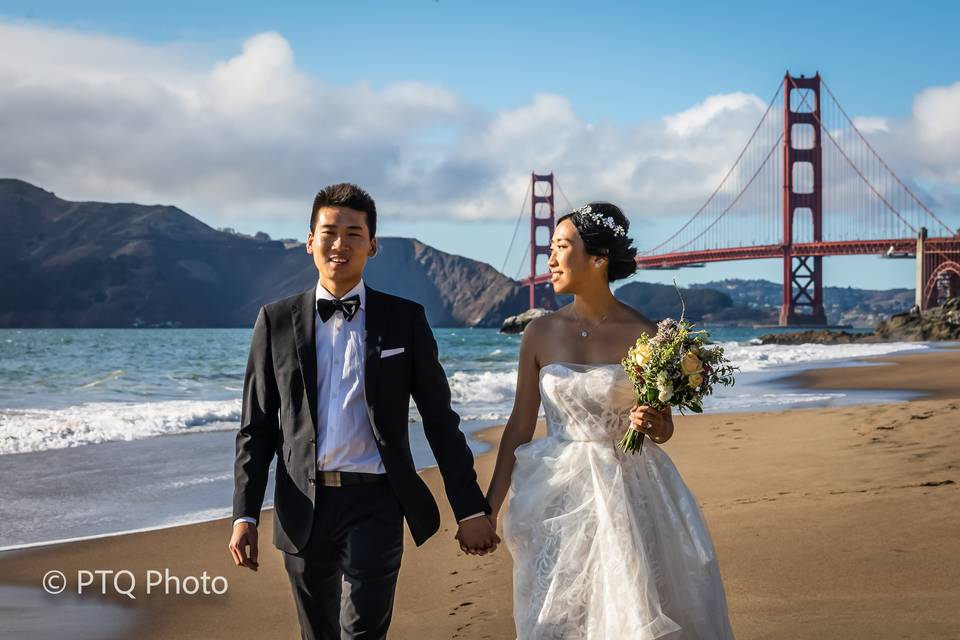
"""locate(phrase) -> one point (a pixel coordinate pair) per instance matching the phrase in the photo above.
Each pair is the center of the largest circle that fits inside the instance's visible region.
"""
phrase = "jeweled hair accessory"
(607, 221)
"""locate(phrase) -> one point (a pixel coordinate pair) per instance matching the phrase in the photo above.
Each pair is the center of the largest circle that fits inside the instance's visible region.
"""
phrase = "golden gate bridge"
(807, 184)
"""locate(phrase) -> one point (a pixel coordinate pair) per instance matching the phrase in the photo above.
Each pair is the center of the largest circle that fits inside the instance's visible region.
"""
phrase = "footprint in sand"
(461, 585)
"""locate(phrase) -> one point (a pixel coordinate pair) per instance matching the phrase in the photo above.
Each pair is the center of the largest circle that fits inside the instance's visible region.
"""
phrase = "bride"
(606, 545)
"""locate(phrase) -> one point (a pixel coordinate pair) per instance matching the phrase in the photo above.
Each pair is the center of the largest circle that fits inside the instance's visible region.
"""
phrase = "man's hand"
(655, 423)
(477, 536)
(244, 535)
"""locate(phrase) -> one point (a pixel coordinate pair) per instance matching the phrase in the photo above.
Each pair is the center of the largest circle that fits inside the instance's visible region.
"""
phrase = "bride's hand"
(657, 424)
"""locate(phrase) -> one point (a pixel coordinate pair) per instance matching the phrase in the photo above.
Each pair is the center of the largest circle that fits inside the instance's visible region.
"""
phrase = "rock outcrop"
(938, 323)
(517, 323)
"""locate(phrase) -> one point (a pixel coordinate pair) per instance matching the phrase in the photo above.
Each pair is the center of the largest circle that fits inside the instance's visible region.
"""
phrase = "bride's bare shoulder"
(636, 321)
(546, 325)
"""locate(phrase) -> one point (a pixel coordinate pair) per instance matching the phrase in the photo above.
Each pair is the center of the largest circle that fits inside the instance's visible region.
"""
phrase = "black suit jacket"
(279, 416)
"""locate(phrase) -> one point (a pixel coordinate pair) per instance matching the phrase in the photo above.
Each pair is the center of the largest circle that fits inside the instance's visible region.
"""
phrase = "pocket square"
(386, 353)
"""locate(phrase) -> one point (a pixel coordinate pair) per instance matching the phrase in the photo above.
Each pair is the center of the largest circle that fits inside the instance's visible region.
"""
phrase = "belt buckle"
(331, 479)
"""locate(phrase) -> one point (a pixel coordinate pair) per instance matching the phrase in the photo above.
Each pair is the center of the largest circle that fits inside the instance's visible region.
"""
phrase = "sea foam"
(23, 430)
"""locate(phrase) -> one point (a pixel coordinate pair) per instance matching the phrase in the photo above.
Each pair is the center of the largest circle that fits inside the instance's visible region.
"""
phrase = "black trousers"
(345, 578)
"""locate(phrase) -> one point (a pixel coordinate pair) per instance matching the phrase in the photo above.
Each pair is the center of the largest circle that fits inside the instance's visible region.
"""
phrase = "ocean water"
(71, 387)
(106, 430)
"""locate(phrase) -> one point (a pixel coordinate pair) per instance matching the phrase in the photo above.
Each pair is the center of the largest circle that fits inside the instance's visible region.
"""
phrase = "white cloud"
(254, 136)
(696, 119)
(936, 120)
(871, 124)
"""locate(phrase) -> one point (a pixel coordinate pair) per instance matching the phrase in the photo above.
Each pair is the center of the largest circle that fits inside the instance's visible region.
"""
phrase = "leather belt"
(345, 478)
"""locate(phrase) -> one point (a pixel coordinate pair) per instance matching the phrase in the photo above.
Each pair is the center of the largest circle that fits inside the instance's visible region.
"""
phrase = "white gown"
(606, 545)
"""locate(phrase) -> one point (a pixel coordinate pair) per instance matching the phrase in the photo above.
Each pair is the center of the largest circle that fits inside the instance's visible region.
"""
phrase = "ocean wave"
(113, 375)
(24, 430)
(759, 401)
(485, 416)
(750, 357)
(192, 482)
(485, 387)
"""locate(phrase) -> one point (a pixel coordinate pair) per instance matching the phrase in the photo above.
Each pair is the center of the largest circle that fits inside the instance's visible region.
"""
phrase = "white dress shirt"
(344, 433)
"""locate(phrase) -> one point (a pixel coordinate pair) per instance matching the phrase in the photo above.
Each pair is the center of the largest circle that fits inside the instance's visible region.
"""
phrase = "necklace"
(583, 332)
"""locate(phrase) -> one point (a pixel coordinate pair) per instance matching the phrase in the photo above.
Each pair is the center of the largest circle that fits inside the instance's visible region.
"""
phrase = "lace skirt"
(609, 546)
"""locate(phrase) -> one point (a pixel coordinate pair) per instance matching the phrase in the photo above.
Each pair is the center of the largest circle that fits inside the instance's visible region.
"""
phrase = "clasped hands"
(656, 424)
(478, 536)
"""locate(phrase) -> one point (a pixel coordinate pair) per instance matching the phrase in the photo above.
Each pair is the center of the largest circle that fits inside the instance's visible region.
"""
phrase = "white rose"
(666, 392)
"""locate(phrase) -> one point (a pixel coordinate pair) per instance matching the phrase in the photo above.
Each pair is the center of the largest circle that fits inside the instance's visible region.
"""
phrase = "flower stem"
(632, 441)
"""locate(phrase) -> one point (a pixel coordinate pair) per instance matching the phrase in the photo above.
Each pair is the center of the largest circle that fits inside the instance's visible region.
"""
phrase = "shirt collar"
(360, 290)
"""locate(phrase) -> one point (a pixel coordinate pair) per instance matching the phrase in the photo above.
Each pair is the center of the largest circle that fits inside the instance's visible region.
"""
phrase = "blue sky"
(620, 67)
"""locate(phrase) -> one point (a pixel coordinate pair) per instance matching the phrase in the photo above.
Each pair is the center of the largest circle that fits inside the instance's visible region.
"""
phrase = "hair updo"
(603, 229)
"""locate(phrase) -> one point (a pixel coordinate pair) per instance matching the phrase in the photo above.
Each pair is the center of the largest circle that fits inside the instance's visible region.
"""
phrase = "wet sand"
(836, 522)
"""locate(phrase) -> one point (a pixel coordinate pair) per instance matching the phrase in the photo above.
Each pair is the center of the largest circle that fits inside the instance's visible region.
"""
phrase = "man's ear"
(374, 248)
(310, 242)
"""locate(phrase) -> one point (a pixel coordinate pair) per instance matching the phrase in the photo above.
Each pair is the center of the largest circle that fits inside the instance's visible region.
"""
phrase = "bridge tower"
(938, 270)
(541, 217)
(802, 274)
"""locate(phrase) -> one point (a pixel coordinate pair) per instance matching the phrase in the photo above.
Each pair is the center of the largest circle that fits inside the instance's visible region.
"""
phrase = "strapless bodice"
(586, 402)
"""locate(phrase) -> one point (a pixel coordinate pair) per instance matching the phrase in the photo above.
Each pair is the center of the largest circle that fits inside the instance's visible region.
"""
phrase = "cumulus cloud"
(697, 119)
(936, 121)
(255, 135)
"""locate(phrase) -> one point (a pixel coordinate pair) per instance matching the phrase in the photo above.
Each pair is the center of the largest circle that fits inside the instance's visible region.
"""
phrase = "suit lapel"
(373, 341)
(304, 329)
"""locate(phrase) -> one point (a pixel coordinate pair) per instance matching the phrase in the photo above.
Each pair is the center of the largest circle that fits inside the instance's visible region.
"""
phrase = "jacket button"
(312, 481)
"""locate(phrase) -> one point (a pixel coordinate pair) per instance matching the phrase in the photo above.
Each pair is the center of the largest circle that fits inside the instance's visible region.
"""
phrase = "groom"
(327, 392)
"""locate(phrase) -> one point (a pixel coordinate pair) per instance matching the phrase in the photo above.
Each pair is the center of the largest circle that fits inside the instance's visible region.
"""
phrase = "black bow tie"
(348, 307)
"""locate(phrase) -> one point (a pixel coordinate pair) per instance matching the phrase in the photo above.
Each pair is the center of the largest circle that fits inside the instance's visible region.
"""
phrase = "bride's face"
(571, 268)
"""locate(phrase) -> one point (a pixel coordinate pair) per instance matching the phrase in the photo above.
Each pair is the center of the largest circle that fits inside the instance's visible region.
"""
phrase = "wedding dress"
(606, 545)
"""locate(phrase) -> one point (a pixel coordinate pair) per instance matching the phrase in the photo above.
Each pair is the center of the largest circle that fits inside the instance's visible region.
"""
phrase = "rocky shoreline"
(939, 323)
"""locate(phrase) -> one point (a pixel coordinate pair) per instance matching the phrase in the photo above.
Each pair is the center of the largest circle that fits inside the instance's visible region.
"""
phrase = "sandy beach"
(841, 522)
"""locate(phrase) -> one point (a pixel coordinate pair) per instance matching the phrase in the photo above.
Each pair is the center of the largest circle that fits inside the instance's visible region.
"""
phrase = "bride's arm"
(523, 418)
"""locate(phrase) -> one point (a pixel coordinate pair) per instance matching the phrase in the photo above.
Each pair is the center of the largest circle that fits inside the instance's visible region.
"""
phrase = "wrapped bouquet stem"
(674, 368)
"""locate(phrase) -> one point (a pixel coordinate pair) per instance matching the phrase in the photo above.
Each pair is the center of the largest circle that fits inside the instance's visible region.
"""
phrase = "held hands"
(658, 425)
(478, 536)
(244, 535)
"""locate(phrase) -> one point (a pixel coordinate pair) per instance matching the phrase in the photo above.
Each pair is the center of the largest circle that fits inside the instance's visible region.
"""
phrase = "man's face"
(341, 243)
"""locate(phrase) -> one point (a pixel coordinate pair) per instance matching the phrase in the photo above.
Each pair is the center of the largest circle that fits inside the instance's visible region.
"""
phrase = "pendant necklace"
(583, 332)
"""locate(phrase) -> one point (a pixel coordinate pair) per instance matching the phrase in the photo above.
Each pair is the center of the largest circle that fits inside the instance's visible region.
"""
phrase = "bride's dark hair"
(603, 229)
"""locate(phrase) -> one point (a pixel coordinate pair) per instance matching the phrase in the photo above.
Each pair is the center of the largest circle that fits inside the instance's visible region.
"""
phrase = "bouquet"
(674, 368)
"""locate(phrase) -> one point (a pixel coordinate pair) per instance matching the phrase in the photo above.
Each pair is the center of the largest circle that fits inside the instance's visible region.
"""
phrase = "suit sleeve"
(431, 393)
(259, 425)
